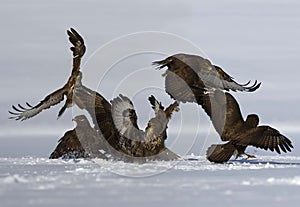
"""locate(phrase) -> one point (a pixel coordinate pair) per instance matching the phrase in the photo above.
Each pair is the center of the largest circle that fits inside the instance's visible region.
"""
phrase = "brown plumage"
(117, 122)
(227, 119)
(22, 113)
(189, 76)
(149, 143)
(141, 143)
(156, 130)
(100, 111)
(81, 142)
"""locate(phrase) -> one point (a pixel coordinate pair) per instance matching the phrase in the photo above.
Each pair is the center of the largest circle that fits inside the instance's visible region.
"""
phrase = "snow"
(269, 180)
(249, 39)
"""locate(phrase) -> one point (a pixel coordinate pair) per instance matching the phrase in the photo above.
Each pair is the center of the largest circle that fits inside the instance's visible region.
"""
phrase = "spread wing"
(78, 48)
(226, 82)
(266, 137)
(198, 72)
(125, 118)
(214, 77)
(157, 126)
(156, 106)
(21, 113)
(100, 111)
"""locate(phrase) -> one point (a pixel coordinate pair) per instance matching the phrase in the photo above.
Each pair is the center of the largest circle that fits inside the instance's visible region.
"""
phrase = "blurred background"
(249, 39)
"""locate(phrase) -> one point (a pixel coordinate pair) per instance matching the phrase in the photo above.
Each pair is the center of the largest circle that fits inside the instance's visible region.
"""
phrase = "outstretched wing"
(22, 113)
(159, 108)
(156, 106)
(125, 118)
(171, 108)
(226, 82)
(207, 75)
(100, 111)
(266, 137)
(157, 125)
(78, 48)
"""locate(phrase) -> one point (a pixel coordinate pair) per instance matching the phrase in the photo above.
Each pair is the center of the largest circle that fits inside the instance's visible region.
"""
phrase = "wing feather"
(224, 112)
(100, 111)
(52, 99)
(78, 49)
(22, 113)
(207, 74)
(125, 118)
(268, 138)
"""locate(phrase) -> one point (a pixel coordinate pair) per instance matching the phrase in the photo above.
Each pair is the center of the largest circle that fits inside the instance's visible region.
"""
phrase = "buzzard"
(133, 140)
(78, 49)
(81, 142)
(117, 122)
(188, 77)
(228, 121)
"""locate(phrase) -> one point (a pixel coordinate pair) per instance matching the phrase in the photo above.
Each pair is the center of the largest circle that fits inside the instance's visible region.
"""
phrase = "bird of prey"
(227, 119)
(188, 77)
(142, 143)
(117, 122)
(22, 113)
(81, 142)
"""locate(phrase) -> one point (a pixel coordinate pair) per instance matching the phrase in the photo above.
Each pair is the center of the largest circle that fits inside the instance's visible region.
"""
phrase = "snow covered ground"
(268, 181)
(249, 39)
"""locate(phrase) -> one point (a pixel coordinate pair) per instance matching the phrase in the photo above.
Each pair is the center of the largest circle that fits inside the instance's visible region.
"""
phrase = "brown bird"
(117, 122)
(188, 77)
(81, 142)
(78, 49)
(227, 119)
(137, 142)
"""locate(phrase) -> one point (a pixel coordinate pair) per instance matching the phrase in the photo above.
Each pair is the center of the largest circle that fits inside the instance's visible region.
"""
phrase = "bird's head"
(252, 120)
(81, 120)
(129, 113)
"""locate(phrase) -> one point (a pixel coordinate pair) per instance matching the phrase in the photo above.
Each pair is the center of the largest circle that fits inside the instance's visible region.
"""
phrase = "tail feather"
(220, 153)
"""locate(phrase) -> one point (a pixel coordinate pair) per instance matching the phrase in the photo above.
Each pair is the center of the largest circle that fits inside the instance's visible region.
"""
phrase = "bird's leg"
(249, 156)
(67, 104)
(241, 154)
(238, 155)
